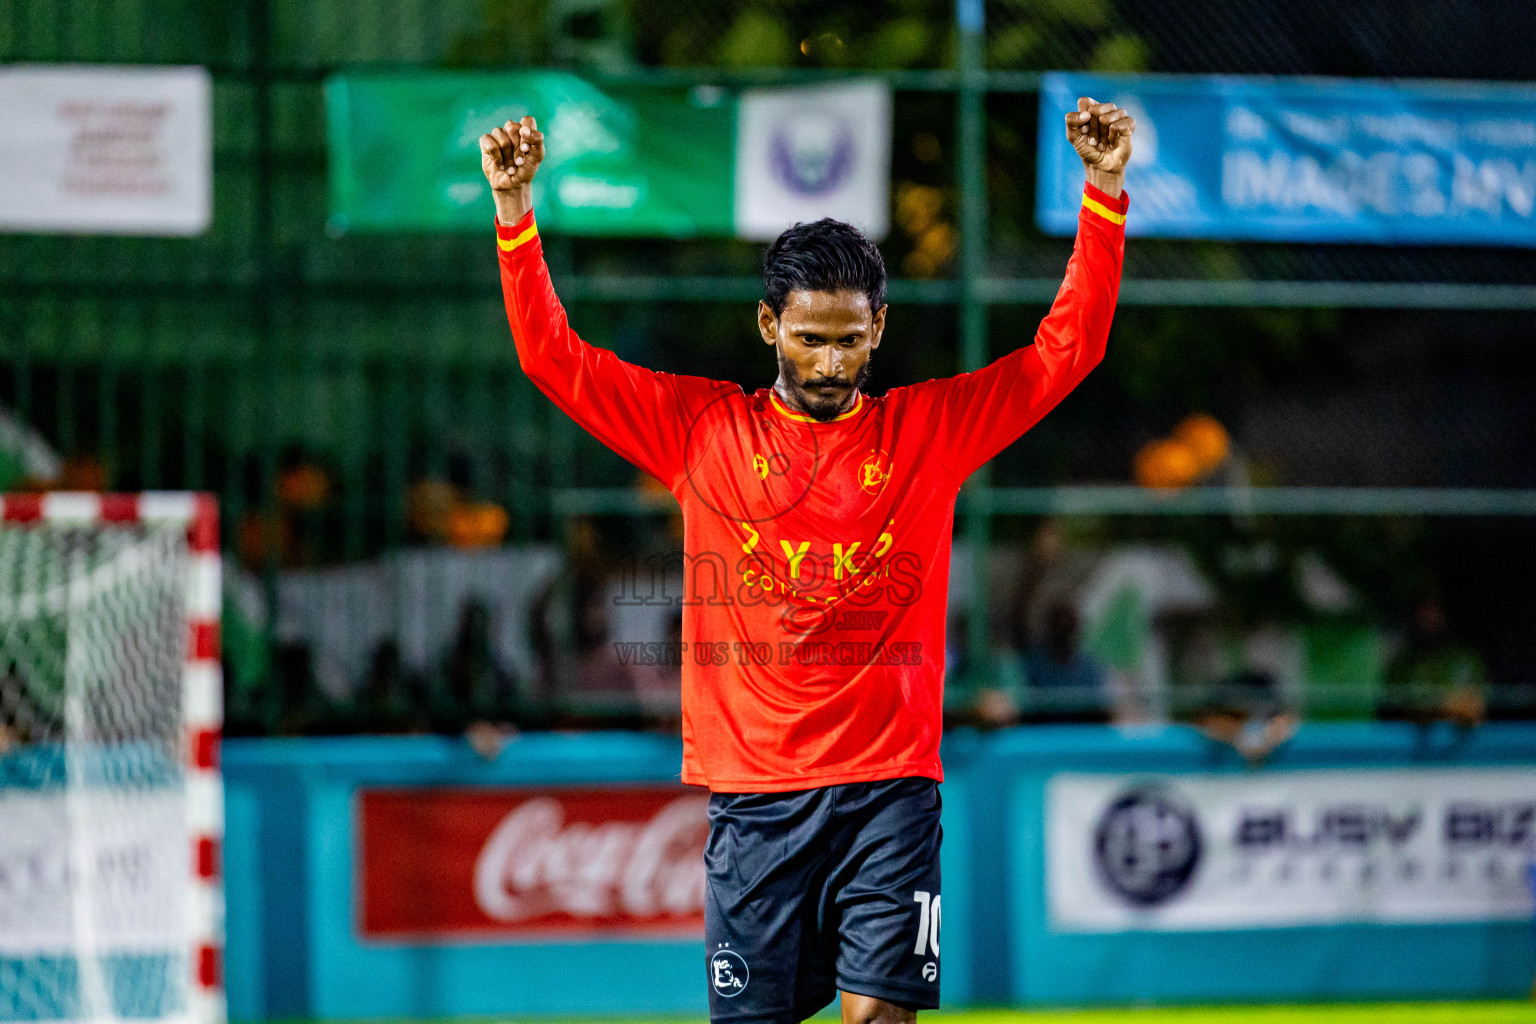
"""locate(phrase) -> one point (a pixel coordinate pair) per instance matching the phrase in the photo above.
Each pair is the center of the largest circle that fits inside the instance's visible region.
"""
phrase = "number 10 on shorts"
(927, 922)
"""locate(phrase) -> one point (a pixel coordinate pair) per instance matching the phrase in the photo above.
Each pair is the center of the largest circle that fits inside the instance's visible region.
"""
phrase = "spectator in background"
(1433, 677)
(544, 640)
(392, 698)
(1052, 681)
(303, 709)
(1054, 573)
(990, 698)
(660, 687)
(251, 695)
(604, 684)
(582, 679)
(475, 696)
(1049, 578)
(1064, 683)
(1245, 713)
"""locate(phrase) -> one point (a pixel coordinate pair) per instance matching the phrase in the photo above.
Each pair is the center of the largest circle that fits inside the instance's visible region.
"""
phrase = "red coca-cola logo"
(480, 863)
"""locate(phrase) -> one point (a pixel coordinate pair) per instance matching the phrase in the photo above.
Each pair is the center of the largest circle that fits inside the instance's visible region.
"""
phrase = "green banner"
(405, 155)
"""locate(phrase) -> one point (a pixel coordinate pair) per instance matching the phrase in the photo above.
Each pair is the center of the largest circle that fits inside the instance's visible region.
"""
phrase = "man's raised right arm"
(637, 412)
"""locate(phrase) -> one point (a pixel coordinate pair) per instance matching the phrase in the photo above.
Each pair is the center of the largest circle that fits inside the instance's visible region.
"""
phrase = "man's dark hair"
(827, 256)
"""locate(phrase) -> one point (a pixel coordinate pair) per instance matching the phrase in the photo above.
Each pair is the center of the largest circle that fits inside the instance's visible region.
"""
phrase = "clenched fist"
(1101, 134)
(510, 156)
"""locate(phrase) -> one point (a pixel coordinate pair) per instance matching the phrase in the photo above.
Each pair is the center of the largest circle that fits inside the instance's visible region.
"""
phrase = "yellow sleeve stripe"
(1103, 211)
(528, 235)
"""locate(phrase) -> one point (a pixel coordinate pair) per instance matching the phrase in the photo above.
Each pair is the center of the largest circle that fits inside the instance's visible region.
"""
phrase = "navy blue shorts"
(822, 890)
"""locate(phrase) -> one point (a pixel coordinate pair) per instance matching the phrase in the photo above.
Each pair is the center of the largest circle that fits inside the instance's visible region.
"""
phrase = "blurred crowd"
(1240, 632)
(1163, 645)
(1125, 634)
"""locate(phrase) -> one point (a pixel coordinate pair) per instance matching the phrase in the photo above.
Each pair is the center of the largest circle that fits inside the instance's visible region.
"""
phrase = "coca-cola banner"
(444, 864)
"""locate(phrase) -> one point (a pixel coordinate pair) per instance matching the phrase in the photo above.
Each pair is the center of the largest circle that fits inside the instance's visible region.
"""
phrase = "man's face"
(824, 342)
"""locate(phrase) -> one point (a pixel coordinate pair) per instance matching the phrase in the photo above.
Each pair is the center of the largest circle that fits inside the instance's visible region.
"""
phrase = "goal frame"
(202, 697)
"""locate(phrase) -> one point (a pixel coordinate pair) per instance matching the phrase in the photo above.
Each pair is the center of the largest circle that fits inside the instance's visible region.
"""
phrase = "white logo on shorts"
(728, 973)
(930, 971)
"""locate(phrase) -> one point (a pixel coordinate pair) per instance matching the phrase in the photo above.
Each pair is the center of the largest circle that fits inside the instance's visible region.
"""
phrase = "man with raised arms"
(817, 523)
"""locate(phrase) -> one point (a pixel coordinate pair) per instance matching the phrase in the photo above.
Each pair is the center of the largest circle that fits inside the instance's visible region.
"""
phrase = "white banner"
(804, 154)
(105, 150)
(124, 852)
(1282, 848)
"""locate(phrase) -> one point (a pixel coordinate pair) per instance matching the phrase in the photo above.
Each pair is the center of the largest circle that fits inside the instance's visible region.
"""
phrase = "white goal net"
(109, 799)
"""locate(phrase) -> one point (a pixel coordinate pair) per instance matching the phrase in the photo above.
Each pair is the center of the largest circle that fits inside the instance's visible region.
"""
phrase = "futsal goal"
(111, 907)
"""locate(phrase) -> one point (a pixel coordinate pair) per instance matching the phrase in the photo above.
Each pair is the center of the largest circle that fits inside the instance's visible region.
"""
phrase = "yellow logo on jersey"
(874, 471)
(760, 463)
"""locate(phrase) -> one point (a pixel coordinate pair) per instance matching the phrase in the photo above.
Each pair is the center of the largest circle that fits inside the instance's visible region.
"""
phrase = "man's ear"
(878, 325)
(767, 323)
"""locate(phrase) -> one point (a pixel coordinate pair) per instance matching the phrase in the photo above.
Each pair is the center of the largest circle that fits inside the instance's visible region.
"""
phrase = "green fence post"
(268, 361)
(108, 395)
(970, 18)
(152, 402)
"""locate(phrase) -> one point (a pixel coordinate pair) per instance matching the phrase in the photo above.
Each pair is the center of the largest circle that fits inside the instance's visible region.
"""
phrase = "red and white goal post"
(111, 903)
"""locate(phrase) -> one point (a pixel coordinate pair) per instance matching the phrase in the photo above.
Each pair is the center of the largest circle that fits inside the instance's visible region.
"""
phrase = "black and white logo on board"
(1147, 846)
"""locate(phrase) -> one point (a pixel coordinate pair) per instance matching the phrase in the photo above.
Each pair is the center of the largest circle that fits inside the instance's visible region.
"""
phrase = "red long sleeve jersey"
(816, 554)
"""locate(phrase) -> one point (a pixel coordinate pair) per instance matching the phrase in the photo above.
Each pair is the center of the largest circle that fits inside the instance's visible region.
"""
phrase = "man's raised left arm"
(979, 414)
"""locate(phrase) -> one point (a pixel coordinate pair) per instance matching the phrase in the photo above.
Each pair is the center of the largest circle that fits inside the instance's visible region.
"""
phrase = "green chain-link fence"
(333, 390)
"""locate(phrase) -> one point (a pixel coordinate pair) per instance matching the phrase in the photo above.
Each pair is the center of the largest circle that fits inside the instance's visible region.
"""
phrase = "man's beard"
(821, 398)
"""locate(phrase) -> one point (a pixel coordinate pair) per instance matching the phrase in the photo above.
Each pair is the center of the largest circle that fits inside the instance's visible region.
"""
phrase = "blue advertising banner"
(1309, 160)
